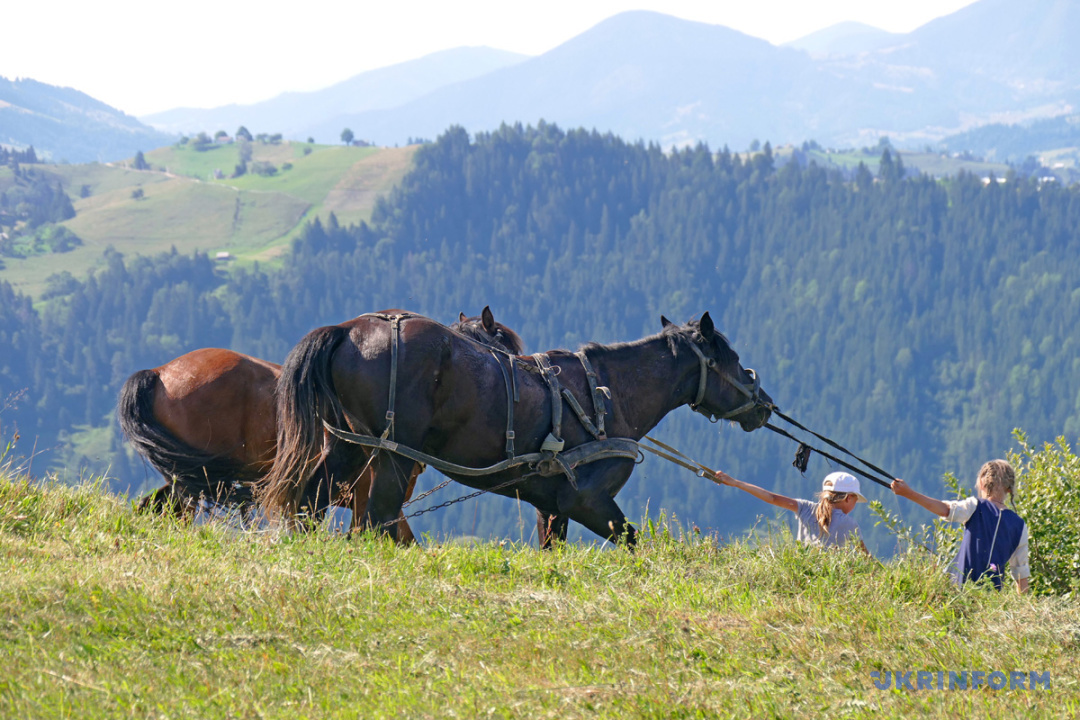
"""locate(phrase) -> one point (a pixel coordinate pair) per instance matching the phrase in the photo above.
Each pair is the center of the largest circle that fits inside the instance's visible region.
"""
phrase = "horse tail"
(192, 471)
(305, 397)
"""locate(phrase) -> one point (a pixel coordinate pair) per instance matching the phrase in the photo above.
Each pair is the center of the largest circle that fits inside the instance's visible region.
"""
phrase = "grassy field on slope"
(108, 614)
(252, 217)
(934, 164)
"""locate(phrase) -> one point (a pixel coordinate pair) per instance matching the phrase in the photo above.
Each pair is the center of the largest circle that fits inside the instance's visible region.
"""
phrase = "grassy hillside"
(109, 614)
(932, 163)
(182, 205)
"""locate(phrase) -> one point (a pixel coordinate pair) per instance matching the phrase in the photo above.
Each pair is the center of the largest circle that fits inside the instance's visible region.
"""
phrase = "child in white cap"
(825, 523)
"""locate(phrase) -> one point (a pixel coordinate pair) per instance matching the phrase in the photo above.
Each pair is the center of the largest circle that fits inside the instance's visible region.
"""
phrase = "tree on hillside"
(201, 142)
(140, 162)
(347, 136)
(243, 134)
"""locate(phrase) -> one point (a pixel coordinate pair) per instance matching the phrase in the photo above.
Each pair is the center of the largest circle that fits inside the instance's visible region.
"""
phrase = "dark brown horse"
(451, 400)
(207, 421)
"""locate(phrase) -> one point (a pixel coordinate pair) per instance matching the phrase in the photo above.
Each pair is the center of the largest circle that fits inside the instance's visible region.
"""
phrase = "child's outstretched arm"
(938, 507)
(760, 493)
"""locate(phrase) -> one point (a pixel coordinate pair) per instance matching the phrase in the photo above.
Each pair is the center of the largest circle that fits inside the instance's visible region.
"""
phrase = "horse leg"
(171, 500)
(405, 533)
(358, 502)
(593, 503)
(389, 485)
(550, 528)
(604, 517)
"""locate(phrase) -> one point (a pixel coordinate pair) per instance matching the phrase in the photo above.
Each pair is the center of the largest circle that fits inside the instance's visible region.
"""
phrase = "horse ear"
(461, 317)
(488, 319)
(706, 327)
(664, 322)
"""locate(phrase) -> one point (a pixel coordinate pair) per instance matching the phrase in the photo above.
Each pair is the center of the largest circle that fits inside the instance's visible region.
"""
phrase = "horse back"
(221, 402)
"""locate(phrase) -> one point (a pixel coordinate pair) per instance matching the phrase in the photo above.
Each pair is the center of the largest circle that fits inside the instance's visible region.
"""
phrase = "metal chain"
(448, 503)
(423, 495)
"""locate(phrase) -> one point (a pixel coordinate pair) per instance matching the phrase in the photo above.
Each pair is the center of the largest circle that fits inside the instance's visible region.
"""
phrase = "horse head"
(483, 329)
(725, 389)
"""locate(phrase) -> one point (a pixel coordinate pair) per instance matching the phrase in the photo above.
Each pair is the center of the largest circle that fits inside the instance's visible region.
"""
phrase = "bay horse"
(451, 404)
(207, 421)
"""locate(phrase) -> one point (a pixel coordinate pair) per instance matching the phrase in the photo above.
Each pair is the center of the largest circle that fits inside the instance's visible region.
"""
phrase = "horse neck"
(647, 381)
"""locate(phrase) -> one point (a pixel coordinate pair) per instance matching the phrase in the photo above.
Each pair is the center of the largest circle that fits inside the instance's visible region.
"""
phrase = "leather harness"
(552, 459)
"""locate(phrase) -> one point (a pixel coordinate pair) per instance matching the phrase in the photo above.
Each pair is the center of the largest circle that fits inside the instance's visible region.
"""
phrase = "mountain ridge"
(292, 113)
(63, 123)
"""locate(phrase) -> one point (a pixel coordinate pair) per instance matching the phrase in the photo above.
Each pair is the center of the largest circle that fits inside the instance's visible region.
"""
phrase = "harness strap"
(395, 332)
(598, 395)
(580, 412)
(511, 398)
(705, 364)
(703, 376)
(612, 448)
(553, 442)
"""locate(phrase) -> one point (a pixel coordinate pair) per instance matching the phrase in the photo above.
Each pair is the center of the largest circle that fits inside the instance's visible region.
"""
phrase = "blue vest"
(975, 557)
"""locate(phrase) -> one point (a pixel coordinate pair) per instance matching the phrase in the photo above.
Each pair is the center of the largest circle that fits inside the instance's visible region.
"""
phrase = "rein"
(752, 394)
(803, 453)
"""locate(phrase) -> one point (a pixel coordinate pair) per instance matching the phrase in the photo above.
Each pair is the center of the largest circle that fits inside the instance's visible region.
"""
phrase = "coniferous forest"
(917, 321)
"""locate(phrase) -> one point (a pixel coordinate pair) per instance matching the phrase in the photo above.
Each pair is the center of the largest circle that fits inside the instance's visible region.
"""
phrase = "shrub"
(266, 169)
(1048, 498)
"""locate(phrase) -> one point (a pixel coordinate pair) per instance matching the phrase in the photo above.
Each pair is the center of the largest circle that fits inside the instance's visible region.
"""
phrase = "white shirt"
(960, 511)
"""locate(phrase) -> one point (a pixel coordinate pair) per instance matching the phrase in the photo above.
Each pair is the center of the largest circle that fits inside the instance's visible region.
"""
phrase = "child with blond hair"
(993, 534)
(825, 523)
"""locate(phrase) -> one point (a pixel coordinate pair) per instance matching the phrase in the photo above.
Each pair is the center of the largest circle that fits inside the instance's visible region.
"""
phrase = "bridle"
(752, 393)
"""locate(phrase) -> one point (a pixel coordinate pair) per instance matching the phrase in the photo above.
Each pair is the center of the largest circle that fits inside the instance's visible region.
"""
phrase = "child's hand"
(900, 488)
(724, 478)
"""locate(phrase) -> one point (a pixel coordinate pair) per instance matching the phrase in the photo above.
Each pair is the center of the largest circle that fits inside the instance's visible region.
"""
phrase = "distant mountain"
(295, 113)
(996, 60)
(846, 38)
(1029, 47)
(676, 82)
(644, 75)
(638, 74)
(65, 124)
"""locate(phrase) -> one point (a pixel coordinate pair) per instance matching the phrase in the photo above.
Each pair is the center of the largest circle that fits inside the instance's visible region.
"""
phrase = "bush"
(266, 169)
(1048, 498)
(58, 238)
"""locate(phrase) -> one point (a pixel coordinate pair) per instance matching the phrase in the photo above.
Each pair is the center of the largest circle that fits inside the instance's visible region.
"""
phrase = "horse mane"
(674, 334)
(506, 339)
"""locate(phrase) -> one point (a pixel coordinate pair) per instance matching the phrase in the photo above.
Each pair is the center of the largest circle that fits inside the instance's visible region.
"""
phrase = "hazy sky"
(147, 56)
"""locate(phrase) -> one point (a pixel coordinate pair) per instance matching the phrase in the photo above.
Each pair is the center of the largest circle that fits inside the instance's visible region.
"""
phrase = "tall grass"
(105, 613)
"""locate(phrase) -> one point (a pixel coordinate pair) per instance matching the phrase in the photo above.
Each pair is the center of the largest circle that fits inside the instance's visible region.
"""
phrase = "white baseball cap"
(842, 482)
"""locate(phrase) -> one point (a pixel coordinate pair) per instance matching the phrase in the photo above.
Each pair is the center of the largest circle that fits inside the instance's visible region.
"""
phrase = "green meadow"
(178, 203)
(105, 613)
